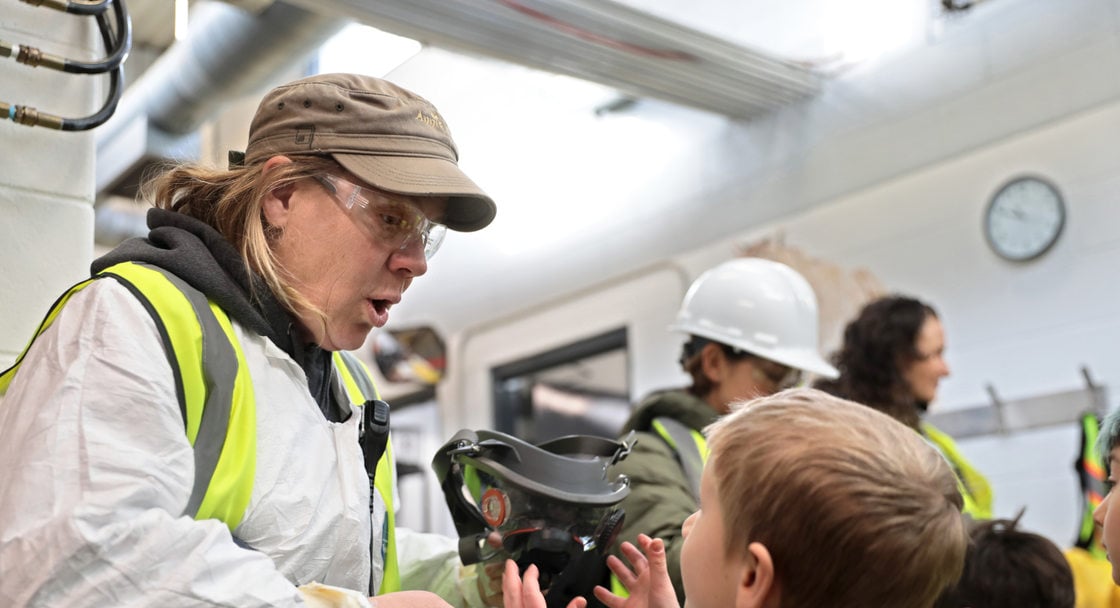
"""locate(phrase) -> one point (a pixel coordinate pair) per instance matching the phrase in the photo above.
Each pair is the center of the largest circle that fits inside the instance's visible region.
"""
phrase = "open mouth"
(381, 306)
(379, 311)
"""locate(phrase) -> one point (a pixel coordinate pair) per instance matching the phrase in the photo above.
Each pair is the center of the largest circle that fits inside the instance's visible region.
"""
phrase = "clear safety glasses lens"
(780, 376)
(395, 222)
(791, 379)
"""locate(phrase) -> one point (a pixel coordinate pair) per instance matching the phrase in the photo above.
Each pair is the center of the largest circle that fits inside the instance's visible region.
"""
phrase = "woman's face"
(738, 378)
(925, 372)
(337, 263)
(1107, 517)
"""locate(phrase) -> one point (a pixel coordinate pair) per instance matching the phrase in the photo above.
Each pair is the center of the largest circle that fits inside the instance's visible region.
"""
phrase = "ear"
(758, 588)
(712, 362)
(276, 203)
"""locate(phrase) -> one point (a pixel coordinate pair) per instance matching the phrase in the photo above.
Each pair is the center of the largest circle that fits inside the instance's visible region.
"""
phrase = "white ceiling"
(585, 197)
(821, 34)
(815, 32)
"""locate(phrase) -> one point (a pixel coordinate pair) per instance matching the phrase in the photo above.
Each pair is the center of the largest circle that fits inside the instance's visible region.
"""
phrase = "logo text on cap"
(432, 120)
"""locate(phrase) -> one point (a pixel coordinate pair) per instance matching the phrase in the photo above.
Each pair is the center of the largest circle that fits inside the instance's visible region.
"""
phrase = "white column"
(46, 176)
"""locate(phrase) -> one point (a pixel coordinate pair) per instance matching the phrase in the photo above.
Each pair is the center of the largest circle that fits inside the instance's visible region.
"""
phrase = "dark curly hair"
(878, 345)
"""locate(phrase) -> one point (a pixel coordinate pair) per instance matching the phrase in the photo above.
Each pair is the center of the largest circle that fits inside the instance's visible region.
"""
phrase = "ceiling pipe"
(228, 53)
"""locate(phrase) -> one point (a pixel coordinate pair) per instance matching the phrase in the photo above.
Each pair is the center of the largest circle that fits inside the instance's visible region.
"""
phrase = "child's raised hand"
(527, 594)
(648, 582)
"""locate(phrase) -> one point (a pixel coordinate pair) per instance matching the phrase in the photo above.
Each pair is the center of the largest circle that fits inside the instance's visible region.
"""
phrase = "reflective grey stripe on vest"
(358, 373)
(219, 368)
(680, 436)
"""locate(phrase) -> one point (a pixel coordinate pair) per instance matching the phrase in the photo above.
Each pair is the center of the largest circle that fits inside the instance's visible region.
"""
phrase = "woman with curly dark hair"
(892, 360)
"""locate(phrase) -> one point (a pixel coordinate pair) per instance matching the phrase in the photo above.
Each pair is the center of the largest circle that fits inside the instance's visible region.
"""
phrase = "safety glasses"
(397, 223)
(779, 375)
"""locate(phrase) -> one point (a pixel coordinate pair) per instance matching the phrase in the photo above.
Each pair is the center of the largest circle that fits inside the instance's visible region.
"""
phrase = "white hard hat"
(760, 306)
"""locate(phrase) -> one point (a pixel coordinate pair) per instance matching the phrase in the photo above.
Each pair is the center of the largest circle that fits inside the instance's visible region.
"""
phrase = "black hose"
(115, 52)
(76, 8)
(116, 77)
(119, 39)
(84, 8)
(116, 86)
(118, 52)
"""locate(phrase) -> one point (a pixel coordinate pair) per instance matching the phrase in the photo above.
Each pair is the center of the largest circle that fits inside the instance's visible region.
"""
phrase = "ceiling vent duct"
(600, 41)
(229, 52)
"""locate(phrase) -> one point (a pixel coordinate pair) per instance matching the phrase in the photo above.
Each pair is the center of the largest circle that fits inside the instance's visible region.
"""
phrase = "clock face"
(1024, 218)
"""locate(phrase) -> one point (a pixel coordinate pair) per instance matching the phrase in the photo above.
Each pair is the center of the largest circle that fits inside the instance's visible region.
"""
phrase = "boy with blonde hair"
(807, 500)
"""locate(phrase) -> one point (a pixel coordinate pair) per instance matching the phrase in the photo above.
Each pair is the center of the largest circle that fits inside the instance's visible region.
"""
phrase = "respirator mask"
(551, 504)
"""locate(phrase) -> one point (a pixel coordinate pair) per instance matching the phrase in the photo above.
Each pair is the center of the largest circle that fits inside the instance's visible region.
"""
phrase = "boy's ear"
(758, 587)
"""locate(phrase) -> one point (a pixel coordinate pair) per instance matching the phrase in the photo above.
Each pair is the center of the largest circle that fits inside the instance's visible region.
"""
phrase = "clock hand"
(1013, 212)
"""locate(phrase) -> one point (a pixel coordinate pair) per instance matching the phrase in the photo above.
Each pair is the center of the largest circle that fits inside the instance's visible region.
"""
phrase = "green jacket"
(660, 496)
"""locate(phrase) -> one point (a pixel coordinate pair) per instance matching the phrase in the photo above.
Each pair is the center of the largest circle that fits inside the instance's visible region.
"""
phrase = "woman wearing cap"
(752, 330)
(893, 359)
(184, 430)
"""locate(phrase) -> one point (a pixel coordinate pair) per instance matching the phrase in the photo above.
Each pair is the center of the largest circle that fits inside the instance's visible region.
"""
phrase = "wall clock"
(1024, 218)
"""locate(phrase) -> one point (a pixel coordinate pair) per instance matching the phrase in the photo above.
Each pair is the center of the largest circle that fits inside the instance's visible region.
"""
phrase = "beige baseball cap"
(389, 137)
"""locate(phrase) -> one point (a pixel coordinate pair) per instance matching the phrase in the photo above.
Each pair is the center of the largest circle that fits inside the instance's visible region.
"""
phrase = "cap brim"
(468, 207)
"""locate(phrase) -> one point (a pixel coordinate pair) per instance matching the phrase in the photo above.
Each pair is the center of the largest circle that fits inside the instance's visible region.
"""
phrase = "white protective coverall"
(96, 469)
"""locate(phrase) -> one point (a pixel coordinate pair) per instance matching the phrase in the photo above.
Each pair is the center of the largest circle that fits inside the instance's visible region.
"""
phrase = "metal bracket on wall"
(1001, 416)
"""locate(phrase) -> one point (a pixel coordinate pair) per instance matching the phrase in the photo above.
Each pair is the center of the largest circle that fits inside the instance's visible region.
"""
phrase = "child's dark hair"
(1007, 567)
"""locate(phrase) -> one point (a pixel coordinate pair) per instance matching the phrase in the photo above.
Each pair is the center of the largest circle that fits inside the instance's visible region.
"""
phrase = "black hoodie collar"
(198, 254)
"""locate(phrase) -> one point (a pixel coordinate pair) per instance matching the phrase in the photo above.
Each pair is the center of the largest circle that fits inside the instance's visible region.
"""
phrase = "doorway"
(582, 388)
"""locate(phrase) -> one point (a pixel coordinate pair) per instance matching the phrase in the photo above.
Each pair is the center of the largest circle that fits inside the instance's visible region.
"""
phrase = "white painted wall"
(1025, 328)
(46, 176)
(890, 169)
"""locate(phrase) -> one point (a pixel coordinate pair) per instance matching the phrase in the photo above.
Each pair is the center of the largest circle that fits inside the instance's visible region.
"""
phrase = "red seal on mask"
(494, 507)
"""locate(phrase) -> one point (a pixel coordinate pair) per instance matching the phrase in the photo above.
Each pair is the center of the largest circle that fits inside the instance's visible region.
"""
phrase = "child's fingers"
(636, 558)
(607, 598)
(531, 582)
(511, 585)
(578, 602)
(625, 576)
(655, 552)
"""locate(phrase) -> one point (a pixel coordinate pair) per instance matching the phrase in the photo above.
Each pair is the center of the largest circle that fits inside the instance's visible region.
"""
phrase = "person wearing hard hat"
(752, 327)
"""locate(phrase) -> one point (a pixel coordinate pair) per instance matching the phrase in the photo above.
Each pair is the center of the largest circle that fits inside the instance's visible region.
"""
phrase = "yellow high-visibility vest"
(216, 398)
(691, 448)
(974, 487)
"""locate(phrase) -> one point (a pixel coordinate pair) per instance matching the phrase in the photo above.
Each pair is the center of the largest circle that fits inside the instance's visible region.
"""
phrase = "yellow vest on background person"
(974, 487)
(691, 448)
(216, 397)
